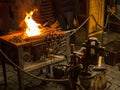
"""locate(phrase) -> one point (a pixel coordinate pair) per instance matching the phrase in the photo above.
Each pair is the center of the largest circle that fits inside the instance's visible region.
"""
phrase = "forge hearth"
(35, 49)
(36, 52)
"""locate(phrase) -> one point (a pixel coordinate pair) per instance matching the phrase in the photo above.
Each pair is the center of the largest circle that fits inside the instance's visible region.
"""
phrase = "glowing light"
(32, 28)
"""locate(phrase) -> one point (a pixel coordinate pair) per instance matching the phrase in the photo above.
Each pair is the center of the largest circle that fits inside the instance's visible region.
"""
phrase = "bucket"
(59, 71)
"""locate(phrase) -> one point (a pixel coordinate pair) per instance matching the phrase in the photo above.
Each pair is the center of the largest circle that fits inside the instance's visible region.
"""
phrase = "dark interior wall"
(43, 14)
(47, 12)
(4, 17)
(84, 12)
(83, 7)
(19, 9)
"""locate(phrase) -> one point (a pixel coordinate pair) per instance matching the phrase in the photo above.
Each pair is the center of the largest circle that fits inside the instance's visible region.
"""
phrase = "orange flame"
(32, 27)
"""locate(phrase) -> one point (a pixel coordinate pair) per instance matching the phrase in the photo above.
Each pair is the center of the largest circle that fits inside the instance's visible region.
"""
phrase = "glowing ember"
(32, 27)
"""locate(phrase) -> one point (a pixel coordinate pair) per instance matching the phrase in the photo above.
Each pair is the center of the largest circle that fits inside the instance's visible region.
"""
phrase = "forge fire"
(50, 33)
(33, 30)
